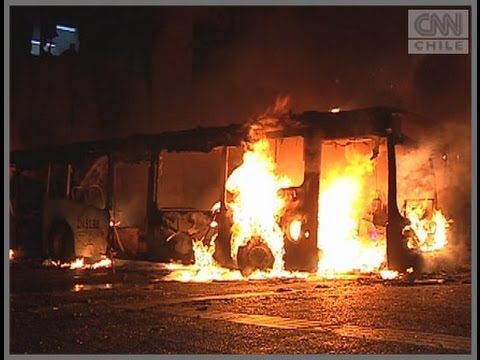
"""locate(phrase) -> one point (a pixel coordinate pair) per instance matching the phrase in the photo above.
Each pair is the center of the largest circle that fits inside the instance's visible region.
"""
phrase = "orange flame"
(281, 104)
(79, 263)
(388, 274)
(204, 269)
(429, 231)
(256, 205)
(348, 240)
(11, 254)
(342, 247)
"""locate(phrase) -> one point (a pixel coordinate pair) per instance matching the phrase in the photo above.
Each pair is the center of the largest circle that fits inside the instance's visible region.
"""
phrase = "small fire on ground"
(388, 274)
(80, 263)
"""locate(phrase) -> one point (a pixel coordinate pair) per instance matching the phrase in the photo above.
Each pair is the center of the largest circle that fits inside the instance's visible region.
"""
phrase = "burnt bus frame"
(315, 127)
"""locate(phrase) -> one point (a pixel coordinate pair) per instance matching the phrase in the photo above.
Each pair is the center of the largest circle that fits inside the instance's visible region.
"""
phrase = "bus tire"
(255, 255)
(61, 241)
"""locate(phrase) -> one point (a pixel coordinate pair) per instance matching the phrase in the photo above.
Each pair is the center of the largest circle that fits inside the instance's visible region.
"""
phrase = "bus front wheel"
(61, 242)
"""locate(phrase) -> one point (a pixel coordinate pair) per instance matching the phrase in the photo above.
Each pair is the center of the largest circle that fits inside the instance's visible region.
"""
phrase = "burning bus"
(308, 192)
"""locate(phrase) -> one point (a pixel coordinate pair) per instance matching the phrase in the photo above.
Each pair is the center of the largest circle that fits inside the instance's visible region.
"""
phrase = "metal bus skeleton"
(82, 212)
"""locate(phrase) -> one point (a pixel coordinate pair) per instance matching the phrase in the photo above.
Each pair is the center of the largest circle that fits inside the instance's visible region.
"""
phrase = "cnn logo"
(438, 32)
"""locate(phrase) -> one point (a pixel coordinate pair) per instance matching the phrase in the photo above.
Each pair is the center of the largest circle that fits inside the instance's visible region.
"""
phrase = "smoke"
(439, 167)
(322, 57)
(455, 256)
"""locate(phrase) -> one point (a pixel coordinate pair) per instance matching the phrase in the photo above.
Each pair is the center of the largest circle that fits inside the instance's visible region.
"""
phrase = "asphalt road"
(134, 311)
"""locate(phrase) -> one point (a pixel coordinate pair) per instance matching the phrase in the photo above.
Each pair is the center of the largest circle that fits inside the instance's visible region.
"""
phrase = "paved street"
(135, 311)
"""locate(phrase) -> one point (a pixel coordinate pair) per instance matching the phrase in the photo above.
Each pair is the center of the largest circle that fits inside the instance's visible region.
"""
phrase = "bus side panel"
(88, 224)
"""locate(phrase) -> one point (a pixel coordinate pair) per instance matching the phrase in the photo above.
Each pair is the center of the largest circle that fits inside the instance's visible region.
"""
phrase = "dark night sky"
(209, 66)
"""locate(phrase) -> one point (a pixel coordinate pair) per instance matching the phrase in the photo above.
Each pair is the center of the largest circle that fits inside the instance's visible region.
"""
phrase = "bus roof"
(375, 121)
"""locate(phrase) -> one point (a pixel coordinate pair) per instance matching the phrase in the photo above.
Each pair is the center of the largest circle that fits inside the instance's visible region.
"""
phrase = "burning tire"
(256, 255)
(61, 242)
